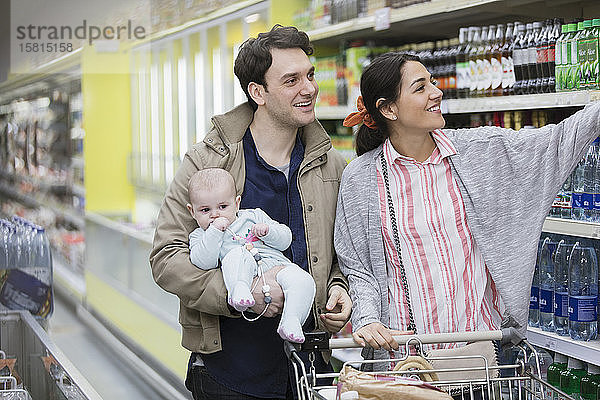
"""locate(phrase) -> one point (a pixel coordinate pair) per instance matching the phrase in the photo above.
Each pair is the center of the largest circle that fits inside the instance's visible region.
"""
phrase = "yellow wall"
(105, 86)
(282, 12)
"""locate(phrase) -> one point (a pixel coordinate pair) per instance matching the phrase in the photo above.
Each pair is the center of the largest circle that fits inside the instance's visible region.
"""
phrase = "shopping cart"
(520, 380)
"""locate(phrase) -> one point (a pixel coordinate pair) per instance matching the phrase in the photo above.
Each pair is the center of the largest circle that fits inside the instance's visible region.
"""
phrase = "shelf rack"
(491, 104)
(585, 351)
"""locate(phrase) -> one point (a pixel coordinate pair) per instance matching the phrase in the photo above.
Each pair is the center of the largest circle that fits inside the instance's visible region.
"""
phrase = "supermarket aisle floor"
(105, 372)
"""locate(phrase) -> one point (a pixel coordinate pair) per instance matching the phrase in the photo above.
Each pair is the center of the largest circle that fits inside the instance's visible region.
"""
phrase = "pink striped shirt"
(450, 287)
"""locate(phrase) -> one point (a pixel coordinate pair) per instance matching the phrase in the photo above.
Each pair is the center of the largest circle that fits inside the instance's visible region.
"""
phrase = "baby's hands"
(221, 223)
(259, 229)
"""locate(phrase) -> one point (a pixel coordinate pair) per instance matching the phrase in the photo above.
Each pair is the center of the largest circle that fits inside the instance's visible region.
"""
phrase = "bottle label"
(546, 303)
(564, 52)
(497, 73)
(542, 54)
(552, 54)
(21, 291)
(583, 308)
(561, 304)
(587, 201)
(577, 200)
(532, 55)
(473, 75)
(533, 300)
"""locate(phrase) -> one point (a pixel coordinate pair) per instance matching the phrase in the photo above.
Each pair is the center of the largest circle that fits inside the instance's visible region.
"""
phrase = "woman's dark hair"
(254, 58)
(380, 79)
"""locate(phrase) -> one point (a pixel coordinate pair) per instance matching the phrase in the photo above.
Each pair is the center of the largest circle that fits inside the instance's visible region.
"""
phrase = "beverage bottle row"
(564, 291)
(25, 267)
(570, 375)
(501, 60)
(579, 196)
(577, 56)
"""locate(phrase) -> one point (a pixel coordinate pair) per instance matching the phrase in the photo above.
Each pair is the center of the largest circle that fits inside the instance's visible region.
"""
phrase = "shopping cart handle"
(511, 335)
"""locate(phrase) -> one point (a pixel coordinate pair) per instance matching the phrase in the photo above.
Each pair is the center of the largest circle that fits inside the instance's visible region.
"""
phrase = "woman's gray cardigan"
(508, 181)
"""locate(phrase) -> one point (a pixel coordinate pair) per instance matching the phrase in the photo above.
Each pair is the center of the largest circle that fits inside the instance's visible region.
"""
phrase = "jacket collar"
(232, 125)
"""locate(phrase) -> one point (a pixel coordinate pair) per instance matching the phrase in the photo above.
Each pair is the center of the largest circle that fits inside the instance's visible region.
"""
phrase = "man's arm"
(170, 257)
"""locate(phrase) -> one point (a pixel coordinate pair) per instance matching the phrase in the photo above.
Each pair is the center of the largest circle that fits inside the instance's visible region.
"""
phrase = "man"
(282, 162)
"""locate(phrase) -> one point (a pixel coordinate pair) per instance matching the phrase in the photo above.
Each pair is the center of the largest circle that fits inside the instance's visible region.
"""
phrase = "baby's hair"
(208, 179)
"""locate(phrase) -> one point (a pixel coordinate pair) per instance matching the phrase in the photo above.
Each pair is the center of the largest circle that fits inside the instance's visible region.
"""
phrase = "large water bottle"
(561, 287)
(534, 305)
(546, 278)
(29, 287)
(589, 181)
(577, 194)
(583, 293)
(14, 247)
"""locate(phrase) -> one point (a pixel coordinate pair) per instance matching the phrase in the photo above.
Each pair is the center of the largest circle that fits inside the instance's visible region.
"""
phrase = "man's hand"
(259, 230)
(221, 223)
(276, 292)
(377, 336)
(339, 307)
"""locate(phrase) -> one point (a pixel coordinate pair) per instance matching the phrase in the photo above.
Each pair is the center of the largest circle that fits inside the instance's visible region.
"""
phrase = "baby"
(245, 241)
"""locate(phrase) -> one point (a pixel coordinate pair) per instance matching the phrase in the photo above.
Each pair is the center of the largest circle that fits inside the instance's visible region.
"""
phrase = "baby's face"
(211, 204)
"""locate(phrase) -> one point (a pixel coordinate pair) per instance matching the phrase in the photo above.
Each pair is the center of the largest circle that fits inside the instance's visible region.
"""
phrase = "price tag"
(382, 19)
(549, 343)
(594, 95)
(596, 232)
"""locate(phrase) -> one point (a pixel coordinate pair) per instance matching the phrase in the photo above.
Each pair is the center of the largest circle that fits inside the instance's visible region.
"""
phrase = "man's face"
(291, 90)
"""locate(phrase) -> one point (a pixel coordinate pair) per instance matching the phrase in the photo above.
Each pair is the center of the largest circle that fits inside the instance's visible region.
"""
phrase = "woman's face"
(418, 105)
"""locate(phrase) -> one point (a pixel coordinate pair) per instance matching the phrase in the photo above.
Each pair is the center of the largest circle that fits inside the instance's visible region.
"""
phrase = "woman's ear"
(256, 92)
(388, 110)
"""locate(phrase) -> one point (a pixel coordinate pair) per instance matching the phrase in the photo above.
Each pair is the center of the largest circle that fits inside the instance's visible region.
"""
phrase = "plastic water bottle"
(546, 278)
(589, 181)
(534, 305)
(28, 285)
(577, 194)
(583, 293)
(561, 287)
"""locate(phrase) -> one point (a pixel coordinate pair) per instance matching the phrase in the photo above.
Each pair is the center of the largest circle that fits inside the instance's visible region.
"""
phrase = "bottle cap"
(593, 369)
(560, 358)
(596, 22)
(574, 363)
(587, 23)
(572, 27)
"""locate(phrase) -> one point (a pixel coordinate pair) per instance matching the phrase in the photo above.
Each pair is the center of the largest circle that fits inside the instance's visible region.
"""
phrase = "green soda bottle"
(560, 58)
(571, 66)
(584, 53)
(580, 55)
(594, 55)
(590, 383)
(570, 379)
(553, 375)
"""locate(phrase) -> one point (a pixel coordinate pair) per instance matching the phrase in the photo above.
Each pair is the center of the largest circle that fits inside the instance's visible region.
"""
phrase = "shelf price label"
(382, 18)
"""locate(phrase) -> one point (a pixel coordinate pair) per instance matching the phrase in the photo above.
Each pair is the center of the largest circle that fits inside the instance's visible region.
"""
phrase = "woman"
(456, 249)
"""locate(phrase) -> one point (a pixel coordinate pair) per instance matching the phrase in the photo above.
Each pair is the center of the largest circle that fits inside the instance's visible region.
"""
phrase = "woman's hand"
(377, 336)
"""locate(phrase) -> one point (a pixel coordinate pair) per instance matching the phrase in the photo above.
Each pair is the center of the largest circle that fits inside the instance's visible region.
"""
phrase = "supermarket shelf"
(584, 351)
(438, 9)
(31, 201)
(490, 104)
(78, 190)
(572, 228)
(523, 102)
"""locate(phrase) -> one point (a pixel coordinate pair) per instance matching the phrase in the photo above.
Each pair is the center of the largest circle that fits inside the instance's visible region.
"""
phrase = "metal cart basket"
(39, 370)
(521, 380)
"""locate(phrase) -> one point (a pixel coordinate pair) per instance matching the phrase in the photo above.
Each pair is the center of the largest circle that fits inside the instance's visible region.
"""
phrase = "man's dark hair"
(254, 58)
